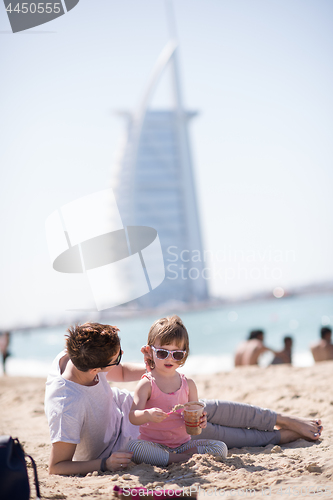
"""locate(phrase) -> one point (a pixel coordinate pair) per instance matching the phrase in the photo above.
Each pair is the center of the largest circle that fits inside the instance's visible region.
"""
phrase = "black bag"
(14, 481)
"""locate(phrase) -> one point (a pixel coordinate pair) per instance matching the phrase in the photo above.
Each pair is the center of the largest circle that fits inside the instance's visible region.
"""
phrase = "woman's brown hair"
(92, 345)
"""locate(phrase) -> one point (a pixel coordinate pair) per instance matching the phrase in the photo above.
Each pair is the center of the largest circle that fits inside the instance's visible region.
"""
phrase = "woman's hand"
(156, 415)
(203, 420)
(118, 460)
(145, 349)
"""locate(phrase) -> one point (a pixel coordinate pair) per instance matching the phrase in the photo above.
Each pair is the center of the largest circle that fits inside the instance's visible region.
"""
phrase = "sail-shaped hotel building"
(153, 182)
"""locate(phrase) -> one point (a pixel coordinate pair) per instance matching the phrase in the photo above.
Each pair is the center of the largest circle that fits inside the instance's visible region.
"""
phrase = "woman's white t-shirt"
(95, 418)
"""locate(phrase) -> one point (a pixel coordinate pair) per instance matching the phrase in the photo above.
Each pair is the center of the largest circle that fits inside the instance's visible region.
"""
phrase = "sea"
(214, 334)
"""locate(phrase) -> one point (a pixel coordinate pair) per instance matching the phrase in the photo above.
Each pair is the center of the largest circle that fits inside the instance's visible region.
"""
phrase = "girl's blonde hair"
(168, 331)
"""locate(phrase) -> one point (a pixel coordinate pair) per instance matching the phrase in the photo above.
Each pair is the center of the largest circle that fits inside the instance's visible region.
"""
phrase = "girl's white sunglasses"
(164, 353)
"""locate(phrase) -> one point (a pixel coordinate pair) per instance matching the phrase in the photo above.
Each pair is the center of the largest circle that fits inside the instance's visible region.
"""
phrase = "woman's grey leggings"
(239, 425)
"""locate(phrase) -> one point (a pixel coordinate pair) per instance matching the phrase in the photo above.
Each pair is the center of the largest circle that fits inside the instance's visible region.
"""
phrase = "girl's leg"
(148, 452)
(157, 454)
(210, 446)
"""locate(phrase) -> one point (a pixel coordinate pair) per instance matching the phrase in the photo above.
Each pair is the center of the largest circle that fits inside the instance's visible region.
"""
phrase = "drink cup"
(192, 413)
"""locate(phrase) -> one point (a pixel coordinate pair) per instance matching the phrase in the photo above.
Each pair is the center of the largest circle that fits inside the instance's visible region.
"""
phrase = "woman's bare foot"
(288, 436)
(304, 427)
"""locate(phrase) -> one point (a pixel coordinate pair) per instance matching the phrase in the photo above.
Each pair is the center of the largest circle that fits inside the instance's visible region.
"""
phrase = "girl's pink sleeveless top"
(171, 432)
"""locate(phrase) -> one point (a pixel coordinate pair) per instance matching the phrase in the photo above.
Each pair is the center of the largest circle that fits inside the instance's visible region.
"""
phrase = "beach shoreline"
(195, 365)
(301, 469)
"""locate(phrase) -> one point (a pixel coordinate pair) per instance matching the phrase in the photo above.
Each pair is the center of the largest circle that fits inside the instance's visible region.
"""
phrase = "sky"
(260, 74)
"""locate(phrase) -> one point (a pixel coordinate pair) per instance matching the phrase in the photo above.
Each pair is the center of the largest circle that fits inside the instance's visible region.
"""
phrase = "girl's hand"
(156, 415)
(119, 460)
(203, 420)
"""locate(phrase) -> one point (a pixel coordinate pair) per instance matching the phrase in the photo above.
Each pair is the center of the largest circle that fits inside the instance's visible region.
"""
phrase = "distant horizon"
(133, 311)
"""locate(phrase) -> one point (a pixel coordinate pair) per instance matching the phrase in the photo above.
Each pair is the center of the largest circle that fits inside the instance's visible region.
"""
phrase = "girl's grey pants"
(239, 425)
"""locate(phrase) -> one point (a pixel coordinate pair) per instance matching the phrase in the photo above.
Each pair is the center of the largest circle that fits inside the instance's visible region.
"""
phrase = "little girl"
(163, 438)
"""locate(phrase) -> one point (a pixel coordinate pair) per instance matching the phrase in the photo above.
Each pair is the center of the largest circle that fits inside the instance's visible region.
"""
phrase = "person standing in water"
(284, 356)
(4, 344)
(248, 352)
(323, 349)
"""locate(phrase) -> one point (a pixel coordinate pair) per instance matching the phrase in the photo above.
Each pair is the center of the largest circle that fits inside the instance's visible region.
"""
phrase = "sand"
(296, 470)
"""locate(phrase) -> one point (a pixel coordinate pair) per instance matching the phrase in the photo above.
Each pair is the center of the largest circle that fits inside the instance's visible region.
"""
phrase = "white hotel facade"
(154, 186)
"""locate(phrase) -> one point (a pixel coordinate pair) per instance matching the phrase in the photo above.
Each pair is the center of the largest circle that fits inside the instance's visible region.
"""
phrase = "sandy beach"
(301, 469)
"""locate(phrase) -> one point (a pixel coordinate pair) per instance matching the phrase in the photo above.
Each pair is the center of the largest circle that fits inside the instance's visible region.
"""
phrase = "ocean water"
(214, 334)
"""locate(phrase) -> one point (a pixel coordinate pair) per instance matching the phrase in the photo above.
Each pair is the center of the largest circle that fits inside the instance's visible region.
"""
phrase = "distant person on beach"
(248, 352)
(323, 349)
(284, 356)
(89, 420)
(4, 344)
(163, 438)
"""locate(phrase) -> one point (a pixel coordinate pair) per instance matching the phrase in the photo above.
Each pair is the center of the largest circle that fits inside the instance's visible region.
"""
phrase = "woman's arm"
(61, 460)
(138, 414)
(126, 372)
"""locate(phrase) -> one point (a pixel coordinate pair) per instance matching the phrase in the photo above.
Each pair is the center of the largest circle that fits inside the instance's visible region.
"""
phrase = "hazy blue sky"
(260, 72)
